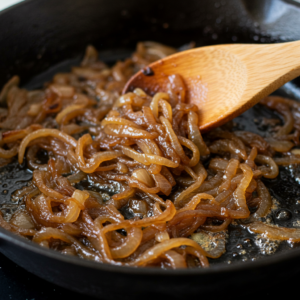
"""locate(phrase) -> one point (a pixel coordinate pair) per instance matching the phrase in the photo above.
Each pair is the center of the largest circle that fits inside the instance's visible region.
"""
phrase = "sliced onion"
(143, 176)
(230, 172)
(154, 103)
(118, 121)
(275, 232)
(159, 249)
(147, 159)
(190, 145)
(194, 133)
(192, 204)
(273, 168)
(91, 164)
(176, 260)
(266, 200)
(9, 153)
(163, 184)
(65, 91)
(130, 132)
(174, 140)
(44, 133)
(67, 110)
(280, 146)
(133, 240)
(22, 219)
(53, 233)
(239, 194)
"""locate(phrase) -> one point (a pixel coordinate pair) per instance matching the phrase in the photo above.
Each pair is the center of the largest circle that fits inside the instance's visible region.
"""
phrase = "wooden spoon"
(223, 80)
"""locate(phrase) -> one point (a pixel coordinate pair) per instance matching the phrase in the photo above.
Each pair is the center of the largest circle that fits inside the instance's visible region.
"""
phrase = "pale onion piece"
(266, 200)
(164, 217)
(72, 128)
(280, 146)
(139, 92)
(130, 132)
(174, 140)
(251, 157)
(194, 133)
(148, 159)
(64, 91)
(296, 152)
(38, 179)
(122, 168)
(191, 172)
(74, 209)
(90, 165)
(176, 260)
(162, 236)
(143, 146)
(67, 110)
(218, 164)
(44, 210)
(34, 109)
(160, 248)
(80, 196)
(274, 232)
(14, 135)
(166, 109)
(239, 193)
(229, 174)
(48, 233)
(82, 142)
(143, 176)
(214, 244)
(124, 99)
(188, 191)
(193, 203)
(9, 153)
(132, 242)
(156, 198)
(288, 160)
(118, 121)
(44, 133)
(162, 182)
(22, 219)
(127, 193)
(61, 78)
(153, 147)
(156, 209)
(129, 98)
(190, 145)
(96, 196)
(154, 103)
(81, 99)
(262, 159)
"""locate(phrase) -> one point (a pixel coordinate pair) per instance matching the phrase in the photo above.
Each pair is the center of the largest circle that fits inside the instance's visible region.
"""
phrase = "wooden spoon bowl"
(224, 80)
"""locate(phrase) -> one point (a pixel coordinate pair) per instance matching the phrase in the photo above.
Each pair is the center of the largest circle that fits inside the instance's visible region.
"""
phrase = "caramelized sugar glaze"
(79, 133)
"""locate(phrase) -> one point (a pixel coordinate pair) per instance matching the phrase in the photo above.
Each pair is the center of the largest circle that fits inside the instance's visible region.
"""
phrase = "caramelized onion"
(139, 151)
(44, 133)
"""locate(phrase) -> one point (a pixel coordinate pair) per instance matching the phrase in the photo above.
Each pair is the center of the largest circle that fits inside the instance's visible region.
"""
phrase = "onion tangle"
(129, 179)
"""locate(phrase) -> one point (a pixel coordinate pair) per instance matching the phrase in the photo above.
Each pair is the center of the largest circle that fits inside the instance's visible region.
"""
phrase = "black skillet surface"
(41, 33)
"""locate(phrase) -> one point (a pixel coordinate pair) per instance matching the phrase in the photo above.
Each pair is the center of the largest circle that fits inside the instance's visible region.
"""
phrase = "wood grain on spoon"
(224, 80)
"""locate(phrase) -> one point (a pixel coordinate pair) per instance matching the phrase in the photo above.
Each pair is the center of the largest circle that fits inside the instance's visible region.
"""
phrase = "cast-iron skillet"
(38, 34)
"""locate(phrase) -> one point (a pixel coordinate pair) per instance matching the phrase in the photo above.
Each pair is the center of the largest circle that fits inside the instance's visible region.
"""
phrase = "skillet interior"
(56, 34)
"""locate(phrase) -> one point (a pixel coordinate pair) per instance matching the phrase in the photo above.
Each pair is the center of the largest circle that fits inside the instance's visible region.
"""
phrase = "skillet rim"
(214, 269)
